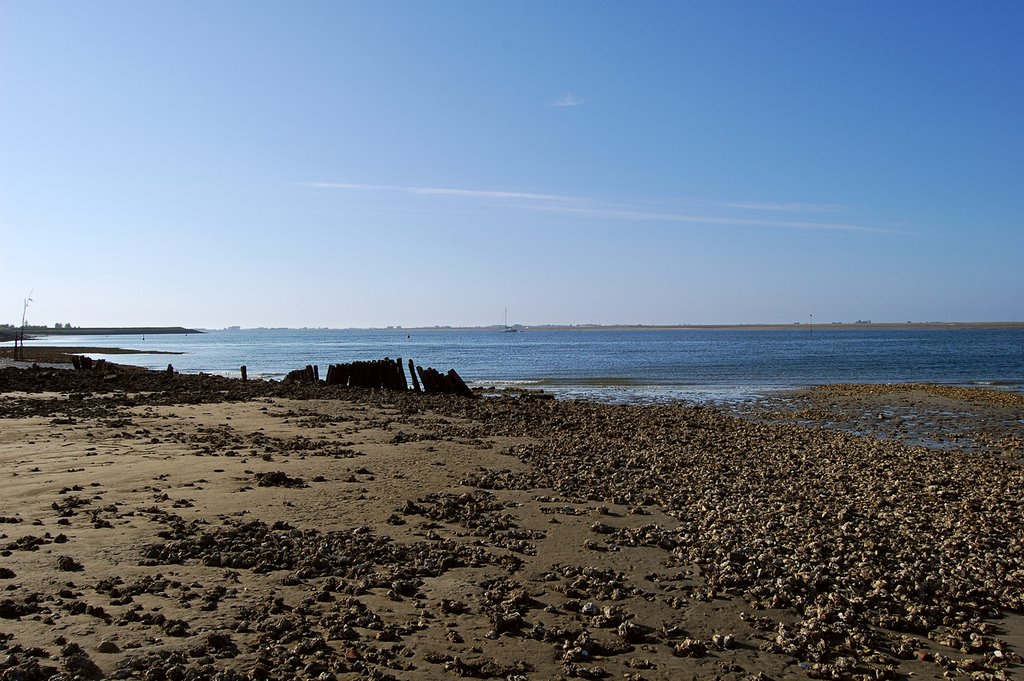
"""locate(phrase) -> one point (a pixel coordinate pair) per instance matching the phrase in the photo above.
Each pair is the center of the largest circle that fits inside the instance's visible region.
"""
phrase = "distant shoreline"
(844, 326)
(8, 333)
(110, 331)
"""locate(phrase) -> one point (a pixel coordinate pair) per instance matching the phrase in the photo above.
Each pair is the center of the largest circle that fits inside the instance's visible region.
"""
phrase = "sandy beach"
(158, 526)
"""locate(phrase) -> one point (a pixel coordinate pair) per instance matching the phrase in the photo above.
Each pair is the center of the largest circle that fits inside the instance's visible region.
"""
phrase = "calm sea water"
(616, 365)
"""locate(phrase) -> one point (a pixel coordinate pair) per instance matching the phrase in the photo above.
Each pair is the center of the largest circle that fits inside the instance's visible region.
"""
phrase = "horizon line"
(638, 325)
(44, 331)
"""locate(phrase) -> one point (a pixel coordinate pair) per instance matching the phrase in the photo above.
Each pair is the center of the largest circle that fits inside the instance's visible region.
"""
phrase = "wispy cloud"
(787, 207)
(717, 220)
(442, 191)
(569, 99)
(738, 213)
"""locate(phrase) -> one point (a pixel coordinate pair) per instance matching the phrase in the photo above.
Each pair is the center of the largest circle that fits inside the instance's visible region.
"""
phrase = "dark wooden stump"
(423, 379)
(245, 375)
(358, 379)
(460, 386)
(400, 369)
(446, 385)
(412, 373)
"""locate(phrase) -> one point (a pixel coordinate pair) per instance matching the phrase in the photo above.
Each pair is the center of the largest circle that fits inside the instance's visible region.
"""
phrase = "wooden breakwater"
(83, 363)
(86, 363)
(386, 374)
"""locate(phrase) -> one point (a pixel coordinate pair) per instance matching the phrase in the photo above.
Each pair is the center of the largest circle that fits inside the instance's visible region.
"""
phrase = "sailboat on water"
(506, 328)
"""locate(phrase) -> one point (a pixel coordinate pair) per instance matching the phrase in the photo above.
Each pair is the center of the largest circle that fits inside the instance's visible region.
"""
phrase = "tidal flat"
(171, 526)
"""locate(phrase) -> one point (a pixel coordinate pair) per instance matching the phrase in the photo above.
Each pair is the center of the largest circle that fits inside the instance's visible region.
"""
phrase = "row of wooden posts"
(83, 363)
(383, 373)
(86, 363)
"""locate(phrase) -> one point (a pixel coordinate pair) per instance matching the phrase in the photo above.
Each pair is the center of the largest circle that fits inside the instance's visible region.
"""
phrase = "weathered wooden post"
(316, 372)
(415, 381)
(460, 386)
(395, 376)
(170, 369)
(245, 376)
(446, 385)
(400, 368)
(436, 381)
(423, 379)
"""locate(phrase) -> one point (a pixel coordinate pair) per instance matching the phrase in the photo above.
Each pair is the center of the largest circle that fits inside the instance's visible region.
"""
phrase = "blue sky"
(373, 163)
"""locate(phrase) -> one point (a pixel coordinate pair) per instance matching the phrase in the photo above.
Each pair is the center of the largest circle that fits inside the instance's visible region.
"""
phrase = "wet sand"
(180, 527)
(25, 357)
(969, 419)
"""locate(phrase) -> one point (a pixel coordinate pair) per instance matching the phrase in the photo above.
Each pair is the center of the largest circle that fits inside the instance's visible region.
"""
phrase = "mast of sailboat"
(507, 329)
